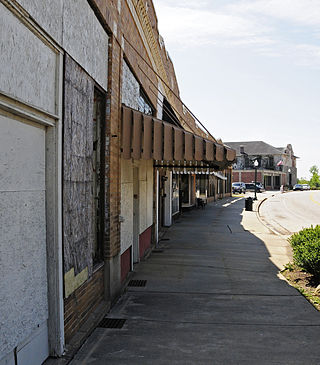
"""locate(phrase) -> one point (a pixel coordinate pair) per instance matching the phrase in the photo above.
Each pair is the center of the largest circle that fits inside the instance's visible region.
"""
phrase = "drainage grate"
(112, 323)
(164, 239)
(137, 283)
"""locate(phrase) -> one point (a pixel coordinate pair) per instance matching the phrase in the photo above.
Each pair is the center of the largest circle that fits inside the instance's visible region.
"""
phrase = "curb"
(265, 223)
(260, 203)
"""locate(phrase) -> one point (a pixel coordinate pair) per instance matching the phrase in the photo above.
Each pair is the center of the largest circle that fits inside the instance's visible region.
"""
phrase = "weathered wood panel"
(78, 215)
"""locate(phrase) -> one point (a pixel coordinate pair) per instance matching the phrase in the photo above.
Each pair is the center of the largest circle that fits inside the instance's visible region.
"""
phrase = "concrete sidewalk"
(212, 296)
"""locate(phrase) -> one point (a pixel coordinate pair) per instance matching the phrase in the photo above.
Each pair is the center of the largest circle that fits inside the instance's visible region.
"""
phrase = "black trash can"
(248, 203)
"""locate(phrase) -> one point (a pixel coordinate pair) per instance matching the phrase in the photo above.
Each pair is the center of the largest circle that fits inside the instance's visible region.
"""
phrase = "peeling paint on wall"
(73, 282)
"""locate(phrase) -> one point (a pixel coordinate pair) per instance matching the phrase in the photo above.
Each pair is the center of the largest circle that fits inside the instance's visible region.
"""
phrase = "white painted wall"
(146, 194)
(48, 15)
(145, 199)
(31, 73)
(168, 200)
(126, 230)
(85, 39)
(73, 25)
(150, 190)
(27, 73)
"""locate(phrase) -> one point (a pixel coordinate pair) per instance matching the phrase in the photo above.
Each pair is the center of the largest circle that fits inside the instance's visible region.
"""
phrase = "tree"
(302, 180)
(315, 178)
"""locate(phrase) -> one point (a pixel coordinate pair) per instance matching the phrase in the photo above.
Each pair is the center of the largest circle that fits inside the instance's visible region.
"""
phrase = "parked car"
(298, 187)
(259, 185)
(238, 187)
(251, 187)
(306, 186)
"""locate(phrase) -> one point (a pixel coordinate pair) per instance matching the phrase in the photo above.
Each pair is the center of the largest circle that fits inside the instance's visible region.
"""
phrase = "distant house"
(276, 165)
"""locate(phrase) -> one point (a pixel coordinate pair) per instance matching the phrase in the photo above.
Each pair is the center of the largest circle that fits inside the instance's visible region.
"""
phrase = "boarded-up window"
(98, 175)
(133, 95)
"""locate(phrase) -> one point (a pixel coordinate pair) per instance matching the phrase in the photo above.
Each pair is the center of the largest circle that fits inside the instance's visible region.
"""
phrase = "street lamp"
(289, 176)
(255, 164)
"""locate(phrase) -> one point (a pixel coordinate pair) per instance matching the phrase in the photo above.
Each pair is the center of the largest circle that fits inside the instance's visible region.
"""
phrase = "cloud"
(272, 28)
(303, 12)
(308, 55)
(184, 25)
(190, 4)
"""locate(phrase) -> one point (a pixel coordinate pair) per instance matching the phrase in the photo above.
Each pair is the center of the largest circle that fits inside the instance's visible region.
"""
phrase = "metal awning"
(146, 137)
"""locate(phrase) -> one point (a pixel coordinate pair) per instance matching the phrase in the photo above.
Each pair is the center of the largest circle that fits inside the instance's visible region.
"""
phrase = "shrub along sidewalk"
(304, 273)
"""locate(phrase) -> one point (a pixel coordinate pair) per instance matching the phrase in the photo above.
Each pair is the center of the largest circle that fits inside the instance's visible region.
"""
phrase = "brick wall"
(120, 25)
(235, 177)
(119, 20)
(79, 305)
(112, 245)
(246, 176)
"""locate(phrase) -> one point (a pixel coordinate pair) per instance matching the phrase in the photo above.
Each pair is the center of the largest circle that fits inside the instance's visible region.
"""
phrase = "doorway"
(23, 222)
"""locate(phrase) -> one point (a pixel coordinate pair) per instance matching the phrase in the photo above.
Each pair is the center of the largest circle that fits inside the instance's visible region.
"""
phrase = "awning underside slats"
(145, 137)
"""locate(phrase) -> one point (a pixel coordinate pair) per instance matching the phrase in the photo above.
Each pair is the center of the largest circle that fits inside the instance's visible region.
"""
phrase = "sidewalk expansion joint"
(216, 294)
(207, 267)
(225, 323)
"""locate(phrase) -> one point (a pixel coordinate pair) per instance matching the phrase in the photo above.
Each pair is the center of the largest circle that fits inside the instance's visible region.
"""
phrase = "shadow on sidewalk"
(212, 296)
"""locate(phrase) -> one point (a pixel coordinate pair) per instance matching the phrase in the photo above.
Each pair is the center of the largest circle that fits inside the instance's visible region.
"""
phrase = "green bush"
(306, 249)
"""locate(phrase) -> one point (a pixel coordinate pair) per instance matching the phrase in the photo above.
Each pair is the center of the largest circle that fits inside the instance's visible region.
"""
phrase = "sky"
(249, 69)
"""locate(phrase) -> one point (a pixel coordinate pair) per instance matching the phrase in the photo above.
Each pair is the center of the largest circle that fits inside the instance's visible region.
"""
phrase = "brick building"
(276, 166)
(99, 153)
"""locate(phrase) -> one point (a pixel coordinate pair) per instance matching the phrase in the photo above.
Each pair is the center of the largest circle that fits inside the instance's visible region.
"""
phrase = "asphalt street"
(290, 212)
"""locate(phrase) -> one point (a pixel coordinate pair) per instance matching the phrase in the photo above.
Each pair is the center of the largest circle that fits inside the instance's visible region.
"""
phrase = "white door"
(23, 256)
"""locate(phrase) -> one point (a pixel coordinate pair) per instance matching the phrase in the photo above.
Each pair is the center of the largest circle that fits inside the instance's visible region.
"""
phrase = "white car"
(305, 186)
(238, 187)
